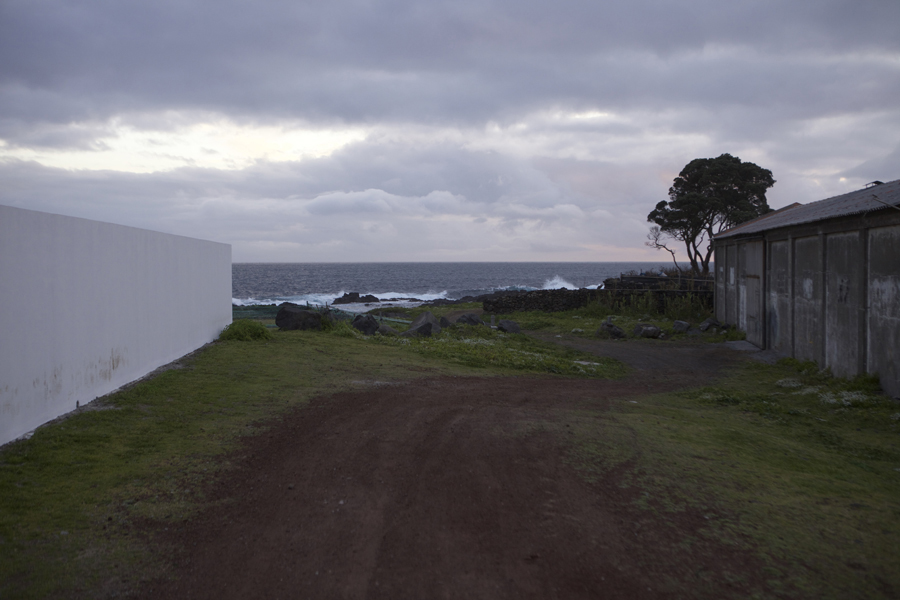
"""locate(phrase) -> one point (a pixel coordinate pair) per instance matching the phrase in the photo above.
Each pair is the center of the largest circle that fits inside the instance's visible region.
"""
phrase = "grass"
(784, 460)
(485, 348)
(482, 347)
(585, 321)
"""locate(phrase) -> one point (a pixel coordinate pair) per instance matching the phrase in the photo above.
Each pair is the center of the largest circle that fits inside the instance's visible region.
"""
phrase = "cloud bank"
(398, 130)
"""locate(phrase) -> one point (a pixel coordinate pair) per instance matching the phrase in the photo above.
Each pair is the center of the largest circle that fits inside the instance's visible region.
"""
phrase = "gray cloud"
(807, 89)
(461, 62)
(370, 201)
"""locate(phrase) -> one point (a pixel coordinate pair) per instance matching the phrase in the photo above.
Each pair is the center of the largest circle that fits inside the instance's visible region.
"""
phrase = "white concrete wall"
(86, 307)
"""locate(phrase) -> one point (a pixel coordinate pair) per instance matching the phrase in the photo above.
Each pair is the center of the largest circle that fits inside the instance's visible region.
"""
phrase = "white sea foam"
(313, 299)
(558, 282)
(403, 299)
(405, 295)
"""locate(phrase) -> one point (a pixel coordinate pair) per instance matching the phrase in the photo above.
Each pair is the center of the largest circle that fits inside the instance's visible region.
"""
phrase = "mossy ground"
(584, 322)
(802, 467)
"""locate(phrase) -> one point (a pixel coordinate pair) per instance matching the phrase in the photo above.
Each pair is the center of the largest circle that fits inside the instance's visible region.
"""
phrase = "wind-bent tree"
(709, 196)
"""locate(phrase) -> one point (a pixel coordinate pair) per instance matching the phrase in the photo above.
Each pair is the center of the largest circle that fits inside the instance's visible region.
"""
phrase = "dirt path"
(447, 488)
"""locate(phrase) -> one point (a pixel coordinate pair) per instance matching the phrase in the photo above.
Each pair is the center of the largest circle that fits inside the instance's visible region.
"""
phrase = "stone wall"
(562, 299)
(543, 300)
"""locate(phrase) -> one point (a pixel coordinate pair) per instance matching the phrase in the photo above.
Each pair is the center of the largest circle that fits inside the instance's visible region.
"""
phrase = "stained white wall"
(86, 307)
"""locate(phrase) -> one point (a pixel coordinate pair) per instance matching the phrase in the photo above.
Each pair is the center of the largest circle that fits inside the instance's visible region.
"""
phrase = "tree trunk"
(692, 256)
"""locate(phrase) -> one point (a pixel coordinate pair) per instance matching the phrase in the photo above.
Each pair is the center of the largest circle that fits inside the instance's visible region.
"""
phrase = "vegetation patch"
(245, 330)
(785, 460)
(584, 322)
(482, 347)
(442, 311)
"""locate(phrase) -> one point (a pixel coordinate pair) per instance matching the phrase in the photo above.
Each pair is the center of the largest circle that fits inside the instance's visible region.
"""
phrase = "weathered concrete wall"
(779, 325)
(564, 299)
(884, 306)
(86, 307)
(749, 283)
(721, 277)
(808, 296)
(731, 300)
(843, 298)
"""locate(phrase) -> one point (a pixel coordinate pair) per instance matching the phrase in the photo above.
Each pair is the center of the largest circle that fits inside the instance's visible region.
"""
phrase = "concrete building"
(820, 281)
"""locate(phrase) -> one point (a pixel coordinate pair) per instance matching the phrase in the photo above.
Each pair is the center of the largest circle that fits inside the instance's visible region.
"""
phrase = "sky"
(431, 130)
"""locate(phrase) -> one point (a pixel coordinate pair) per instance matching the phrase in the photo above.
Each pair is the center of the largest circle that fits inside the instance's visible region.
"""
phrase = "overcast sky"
(392, 130)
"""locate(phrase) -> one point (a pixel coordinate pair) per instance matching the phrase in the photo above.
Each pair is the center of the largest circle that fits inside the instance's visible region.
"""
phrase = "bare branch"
(655, 240)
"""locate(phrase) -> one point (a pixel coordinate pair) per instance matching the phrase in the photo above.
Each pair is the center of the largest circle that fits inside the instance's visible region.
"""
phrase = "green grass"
(783, 460)
(584, 322)
(440, 311)
(626, 314)
(482, 347)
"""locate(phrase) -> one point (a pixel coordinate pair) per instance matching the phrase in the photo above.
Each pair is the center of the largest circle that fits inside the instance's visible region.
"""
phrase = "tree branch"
(655, 238)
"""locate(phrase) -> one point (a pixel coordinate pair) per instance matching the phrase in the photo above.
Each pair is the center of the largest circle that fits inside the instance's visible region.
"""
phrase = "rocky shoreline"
(504, 302)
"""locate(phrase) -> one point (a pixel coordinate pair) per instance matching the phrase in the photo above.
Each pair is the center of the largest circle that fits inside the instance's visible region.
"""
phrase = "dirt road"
(450, 488)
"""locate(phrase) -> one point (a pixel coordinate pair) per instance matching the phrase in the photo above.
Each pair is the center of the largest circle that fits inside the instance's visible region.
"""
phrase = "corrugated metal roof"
(853, 203)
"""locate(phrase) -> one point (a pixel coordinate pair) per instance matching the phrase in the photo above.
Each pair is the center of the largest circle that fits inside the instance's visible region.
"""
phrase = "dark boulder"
(681, 326)
(291, 316)
(386, 330)
(646, 330)
(608, 329)
(710, 322)
(425, 325)
(423, 330)
(444, 323)
(508, 326)
(355, 298)
(469, 319)
(365, 323)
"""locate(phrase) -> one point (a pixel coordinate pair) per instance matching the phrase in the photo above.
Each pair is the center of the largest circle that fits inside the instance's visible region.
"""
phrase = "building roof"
(868, 199)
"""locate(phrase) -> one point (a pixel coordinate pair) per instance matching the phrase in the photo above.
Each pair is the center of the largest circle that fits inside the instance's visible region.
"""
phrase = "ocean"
(407, 283)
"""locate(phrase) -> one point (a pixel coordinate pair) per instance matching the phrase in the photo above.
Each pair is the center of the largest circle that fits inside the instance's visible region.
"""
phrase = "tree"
(709, 196)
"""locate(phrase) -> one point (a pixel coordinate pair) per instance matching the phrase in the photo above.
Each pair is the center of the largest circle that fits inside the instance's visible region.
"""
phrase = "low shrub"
(245, 330)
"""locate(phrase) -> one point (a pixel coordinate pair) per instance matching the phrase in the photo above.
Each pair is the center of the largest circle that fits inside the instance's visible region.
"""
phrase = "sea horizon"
(411, 282)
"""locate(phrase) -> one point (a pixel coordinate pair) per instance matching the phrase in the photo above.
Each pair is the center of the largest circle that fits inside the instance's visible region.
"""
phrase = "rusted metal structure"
(819, 281)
